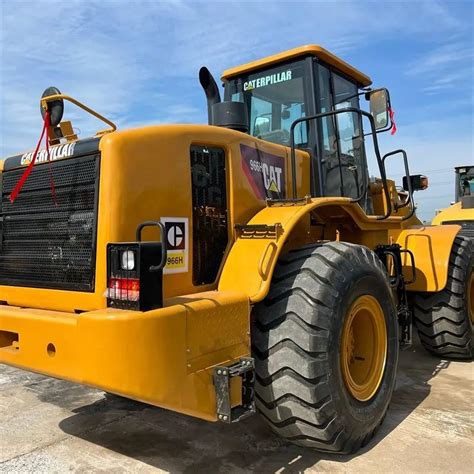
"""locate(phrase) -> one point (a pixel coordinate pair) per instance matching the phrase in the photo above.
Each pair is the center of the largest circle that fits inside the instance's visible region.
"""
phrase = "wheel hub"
(364, 348)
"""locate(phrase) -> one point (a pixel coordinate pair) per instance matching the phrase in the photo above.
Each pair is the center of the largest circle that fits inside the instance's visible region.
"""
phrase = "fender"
(453, 213)
(251, 261)
(431, 247)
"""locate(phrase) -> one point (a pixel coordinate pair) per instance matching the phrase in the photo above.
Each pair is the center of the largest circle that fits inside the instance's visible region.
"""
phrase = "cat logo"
(265, 172)
(177, 242)
(272, 177)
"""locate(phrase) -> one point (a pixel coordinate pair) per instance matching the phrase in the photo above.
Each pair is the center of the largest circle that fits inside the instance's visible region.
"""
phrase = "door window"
(341, 144)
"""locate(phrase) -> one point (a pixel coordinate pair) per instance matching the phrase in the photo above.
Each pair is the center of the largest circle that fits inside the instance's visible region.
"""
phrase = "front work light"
(418, 182)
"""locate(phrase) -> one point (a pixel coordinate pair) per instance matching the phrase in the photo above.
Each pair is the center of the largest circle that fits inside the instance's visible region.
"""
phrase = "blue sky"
(137, 63)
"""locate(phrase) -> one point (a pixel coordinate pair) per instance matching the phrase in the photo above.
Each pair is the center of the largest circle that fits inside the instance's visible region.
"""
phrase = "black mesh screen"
(46, 245)
(210, 234)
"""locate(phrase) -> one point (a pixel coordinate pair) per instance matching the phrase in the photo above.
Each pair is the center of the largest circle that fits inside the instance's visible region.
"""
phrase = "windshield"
(466, 182)
(275, 99)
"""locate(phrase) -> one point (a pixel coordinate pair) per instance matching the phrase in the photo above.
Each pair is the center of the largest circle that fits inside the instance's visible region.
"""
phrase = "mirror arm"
(351, 97)
(382, 130)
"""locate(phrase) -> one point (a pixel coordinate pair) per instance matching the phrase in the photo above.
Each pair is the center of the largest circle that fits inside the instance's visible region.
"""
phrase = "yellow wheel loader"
(248, 265)
(462, 210)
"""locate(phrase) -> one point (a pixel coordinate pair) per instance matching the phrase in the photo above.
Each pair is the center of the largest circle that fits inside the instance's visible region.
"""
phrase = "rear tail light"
(135, 273)
(124, 289)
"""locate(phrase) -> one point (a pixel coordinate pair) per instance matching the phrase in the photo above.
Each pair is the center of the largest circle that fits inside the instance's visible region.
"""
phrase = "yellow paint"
(311, 49)
(144, 175)
(363, 348)
(44, 101)
(431, 246)
(243, 269)
(163, 357)
(453, 213)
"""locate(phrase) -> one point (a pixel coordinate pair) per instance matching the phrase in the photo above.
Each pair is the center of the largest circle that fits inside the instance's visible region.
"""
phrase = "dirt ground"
(48, 425)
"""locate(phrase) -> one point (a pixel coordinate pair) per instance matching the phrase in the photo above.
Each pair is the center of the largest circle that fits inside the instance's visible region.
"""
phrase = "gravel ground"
(49, 425)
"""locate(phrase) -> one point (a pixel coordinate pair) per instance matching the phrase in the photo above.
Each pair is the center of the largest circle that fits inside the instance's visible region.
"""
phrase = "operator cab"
(464, 182)
(300, 83)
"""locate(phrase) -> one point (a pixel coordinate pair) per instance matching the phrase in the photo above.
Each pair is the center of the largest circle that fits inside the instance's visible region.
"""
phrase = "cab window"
(275, 99)
(341, 136)
(466, 182)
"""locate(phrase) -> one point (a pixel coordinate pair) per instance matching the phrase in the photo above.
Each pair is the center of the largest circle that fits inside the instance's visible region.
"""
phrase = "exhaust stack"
(211, 90)
(229, 114)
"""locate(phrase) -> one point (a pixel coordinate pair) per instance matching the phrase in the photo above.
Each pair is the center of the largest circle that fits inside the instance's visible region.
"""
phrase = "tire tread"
(290, 345)
(442, 318)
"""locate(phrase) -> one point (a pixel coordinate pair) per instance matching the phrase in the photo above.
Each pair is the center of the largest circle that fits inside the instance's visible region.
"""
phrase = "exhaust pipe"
(211, 90)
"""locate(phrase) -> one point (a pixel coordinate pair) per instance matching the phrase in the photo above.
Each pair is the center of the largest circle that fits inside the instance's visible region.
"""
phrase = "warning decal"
(265, 172)
(177, 242)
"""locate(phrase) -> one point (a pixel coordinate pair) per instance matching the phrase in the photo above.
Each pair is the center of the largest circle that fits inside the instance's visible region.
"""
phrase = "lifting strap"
(28, 170)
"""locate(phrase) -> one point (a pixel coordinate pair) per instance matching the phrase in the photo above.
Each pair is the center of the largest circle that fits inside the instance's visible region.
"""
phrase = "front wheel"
(325, 342)
(445, 320)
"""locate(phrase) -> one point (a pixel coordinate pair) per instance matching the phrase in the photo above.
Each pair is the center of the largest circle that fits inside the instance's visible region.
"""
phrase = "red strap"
(53, 187)
(391, 113)
(28, 170)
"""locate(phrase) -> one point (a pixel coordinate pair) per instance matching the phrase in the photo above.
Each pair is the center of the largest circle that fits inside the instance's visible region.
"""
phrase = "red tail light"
(127, 289)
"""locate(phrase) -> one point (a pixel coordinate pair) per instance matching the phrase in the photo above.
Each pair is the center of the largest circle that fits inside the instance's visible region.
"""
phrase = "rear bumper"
(162, 357)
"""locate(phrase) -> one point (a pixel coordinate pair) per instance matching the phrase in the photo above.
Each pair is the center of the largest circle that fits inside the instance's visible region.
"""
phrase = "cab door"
(341, 137)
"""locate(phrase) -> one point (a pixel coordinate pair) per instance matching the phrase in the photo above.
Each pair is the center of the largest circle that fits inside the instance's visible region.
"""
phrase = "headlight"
(128, 260)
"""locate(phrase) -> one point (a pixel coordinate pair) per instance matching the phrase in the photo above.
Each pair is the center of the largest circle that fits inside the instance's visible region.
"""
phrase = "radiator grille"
(210, 233)
(46, 245)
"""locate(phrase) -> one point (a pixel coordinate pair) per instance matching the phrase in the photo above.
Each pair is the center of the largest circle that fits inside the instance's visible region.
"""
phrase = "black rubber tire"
(442, 319)
(296, 333)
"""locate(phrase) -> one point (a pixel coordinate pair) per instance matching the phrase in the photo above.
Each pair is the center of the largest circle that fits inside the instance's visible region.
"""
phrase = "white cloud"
(137, 62)
(447, 56)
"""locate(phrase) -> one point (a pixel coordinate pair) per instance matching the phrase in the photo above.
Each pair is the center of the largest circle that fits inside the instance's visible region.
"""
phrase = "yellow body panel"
(139, 172)
(163, 357)
(310, 49)
(453, 213)
(249, 266)
(431, 246)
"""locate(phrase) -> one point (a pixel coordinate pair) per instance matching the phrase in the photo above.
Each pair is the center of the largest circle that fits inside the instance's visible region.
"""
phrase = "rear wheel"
(445, 319)
(325, 342)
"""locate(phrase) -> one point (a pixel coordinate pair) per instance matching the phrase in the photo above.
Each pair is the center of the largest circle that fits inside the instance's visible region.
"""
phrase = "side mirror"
(379, 106)
(55, 107)
(418, 182)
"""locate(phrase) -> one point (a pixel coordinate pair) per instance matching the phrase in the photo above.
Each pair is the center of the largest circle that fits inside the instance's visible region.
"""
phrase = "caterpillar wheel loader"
(462, 210)
(246, 265)
(450, 323)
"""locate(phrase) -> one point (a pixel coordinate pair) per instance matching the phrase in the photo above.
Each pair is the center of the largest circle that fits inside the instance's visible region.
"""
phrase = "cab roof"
(310, 49)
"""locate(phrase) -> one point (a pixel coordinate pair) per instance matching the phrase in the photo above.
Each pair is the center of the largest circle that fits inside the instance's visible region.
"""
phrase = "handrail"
(164, 246)
(410, 188)
(49, 98)
(376, 147)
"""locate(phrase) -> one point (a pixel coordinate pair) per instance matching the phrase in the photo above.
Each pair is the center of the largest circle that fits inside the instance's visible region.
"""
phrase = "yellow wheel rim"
(470, 297)
(364, 348)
